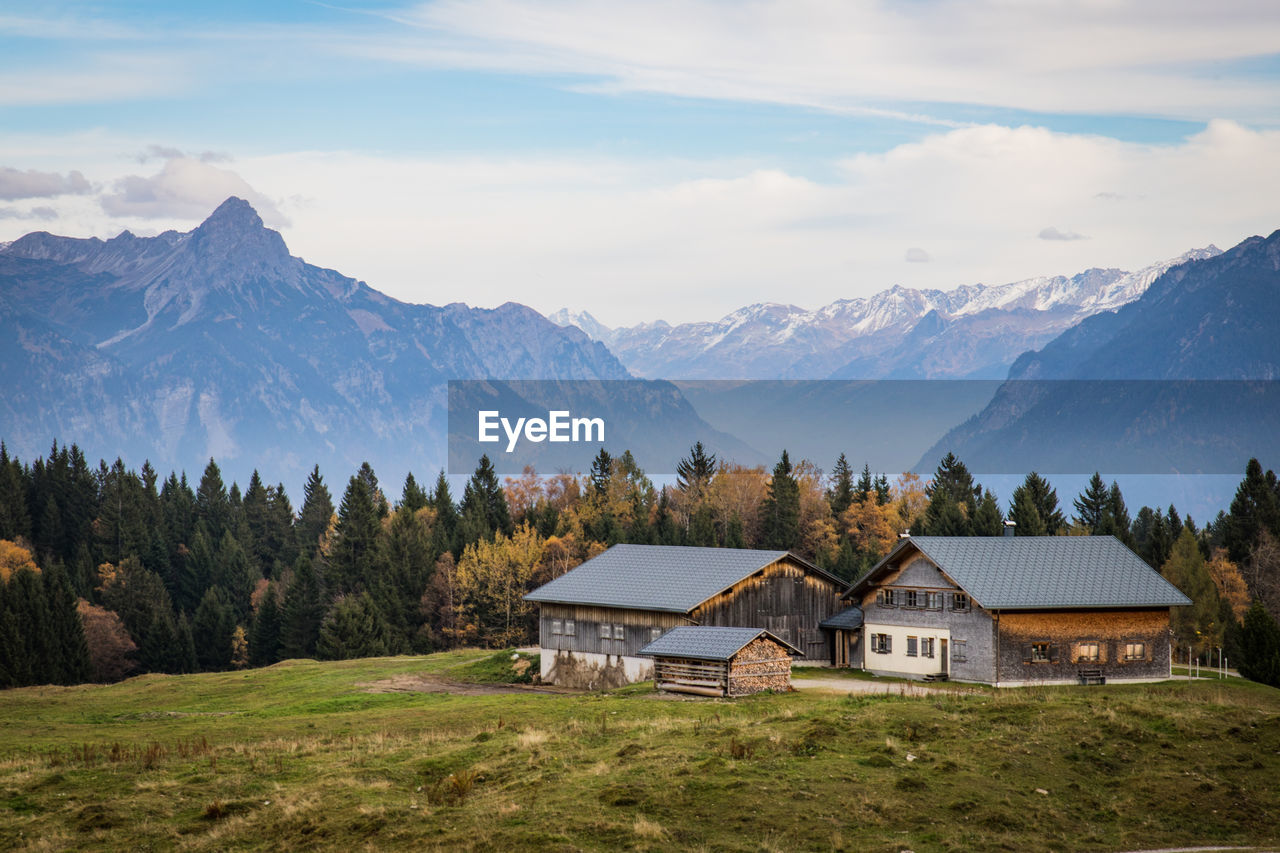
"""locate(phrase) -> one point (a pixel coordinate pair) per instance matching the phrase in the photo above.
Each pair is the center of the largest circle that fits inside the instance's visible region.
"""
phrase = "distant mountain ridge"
(972, 331)
(218, 342)
(1185, 379)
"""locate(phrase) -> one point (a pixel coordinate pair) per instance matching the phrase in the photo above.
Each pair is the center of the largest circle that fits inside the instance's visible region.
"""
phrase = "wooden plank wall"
(783, 599)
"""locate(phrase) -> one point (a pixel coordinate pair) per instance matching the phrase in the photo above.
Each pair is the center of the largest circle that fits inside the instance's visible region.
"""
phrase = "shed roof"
(1040, 572)
(849, 619)
(704, 642)
(671, 578)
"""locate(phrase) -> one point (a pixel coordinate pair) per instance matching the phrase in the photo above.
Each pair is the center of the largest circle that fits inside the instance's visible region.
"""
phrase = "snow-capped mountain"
(970, 331)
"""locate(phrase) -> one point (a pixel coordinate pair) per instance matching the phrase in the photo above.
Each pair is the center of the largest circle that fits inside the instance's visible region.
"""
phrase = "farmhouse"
(1009, 610)
(720, 661)
(595, 618)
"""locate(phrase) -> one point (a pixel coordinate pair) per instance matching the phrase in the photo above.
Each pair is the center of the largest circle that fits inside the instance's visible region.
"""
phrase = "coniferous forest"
(107, 572)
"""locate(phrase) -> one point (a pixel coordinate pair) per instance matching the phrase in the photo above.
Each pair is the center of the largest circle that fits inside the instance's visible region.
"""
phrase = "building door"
(946, 659)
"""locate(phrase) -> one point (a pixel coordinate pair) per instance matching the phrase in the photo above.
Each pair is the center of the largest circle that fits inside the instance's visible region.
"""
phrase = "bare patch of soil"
(436, 684)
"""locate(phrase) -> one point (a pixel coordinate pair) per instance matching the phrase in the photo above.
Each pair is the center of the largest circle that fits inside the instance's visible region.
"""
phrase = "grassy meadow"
(304, 755)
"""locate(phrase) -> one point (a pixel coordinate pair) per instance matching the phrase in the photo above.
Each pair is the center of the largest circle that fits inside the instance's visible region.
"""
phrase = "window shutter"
(888, 644)
(1026, 653)
(1053, 653)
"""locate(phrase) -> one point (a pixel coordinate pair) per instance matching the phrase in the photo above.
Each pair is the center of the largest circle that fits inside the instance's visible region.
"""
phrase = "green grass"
(509, 667)
(299, 755)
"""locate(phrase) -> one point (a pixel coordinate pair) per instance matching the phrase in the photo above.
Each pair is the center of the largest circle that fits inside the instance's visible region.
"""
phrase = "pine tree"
(302, 612)
(882, 490)
(235, 575)
(355, 559)
(1024, 514)
(484, 511)
(953, 500)
(444, 532)
(213, 505)
(665, 529)
(601, 471)
(316, 514)
(15, 520)
(693, 473)
(734, 536)
(139, 597)
(412, 497)
(1254, 508)
(264, 640)
(866, 485)
(1117, 523)
(840, 491)
(211, 628)
(354, 628)
(988, 521)
(1259, 657)
(1036, 492)
(702, 528)
(72, 664)
(1092, 505)
(29, 610)
(780, 511)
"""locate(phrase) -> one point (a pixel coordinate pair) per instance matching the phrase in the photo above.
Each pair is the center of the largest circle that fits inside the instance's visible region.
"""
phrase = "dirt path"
(436, 684)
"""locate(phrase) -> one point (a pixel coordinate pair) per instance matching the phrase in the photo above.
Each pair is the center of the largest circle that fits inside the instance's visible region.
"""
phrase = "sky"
(672, 160)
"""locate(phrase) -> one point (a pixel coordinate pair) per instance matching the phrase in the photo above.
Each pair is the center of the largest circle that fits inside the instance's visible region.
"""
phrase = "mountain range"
(217, 342)
(971, 332)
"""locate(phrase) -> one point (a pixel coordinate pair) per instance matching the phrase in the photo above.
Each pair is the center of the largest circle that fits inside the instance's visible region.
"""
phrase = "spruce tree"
(601, 471)
(354, 559)
(264, 639)
(1117, 523)
(694, 472)
(840, 491)
(213, 505)
(866, 485)
(412, 497)
(702, 528)
(1254, 508)
(1092, 505)
(212, 628)
(1038, 492)
(484, 509)
(780, 510)
(316, 514)
(354, 628)
(235, 575)
(302, 612)
(1260, 646)
(1024, 514)
(988, 521)
(72, 666)
(444, 532)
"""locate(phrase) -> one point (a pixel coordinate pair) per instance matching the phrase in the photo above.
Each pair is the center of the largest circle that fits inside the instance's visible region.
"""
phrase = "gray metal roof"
(849, 619)
(1043, 572)
(708, 643)
(671, 578)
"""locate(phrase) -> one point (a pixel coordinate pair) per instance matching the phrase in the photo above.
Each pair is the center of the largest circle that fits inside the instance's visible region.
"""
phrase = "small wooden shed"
(713, 661)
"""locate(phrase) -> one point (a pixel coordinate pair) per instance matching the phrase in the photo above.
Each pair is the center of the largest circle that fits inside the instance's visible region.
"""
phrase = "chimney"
(1009, 527)
(906, 534)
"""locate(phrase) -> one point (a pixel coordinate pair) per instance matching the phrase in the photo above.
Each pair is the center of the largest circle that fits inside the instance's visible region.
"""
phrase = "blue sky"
(671, 160)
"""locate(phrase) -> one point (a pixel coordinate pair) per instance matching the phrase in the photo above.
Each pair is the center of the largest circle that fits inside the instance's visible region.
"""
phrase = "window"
(606, 631)
(885, 598)
(619, 633)
(557, 627)
(959, 601)
(568, 627)
(1135, 651)
(913, 644)
(654, 633)
(915, 598)
(881, 644)
(1039, 652)
(926, 647)
(935, 601)
(1088, 652)
(959, 650)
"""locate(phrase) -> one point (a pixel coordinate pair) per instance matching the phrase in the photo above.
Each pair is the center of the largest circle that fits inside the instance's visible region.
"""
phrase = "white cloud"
(1102, 57)
(916, 255)
(185, 188)
(1052, 233)
(633, 240)
(16, 184)
(41, 213)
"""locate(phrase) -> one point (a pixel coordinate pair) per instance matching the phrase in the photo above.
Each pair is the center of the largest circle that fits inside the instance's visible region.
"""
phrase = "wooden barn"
(595, 619)
(720, 661)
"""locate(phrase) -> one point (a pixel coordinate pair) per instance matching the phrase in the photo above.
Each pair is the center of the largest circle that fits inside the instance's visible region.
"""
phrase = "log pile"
(761, 665)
